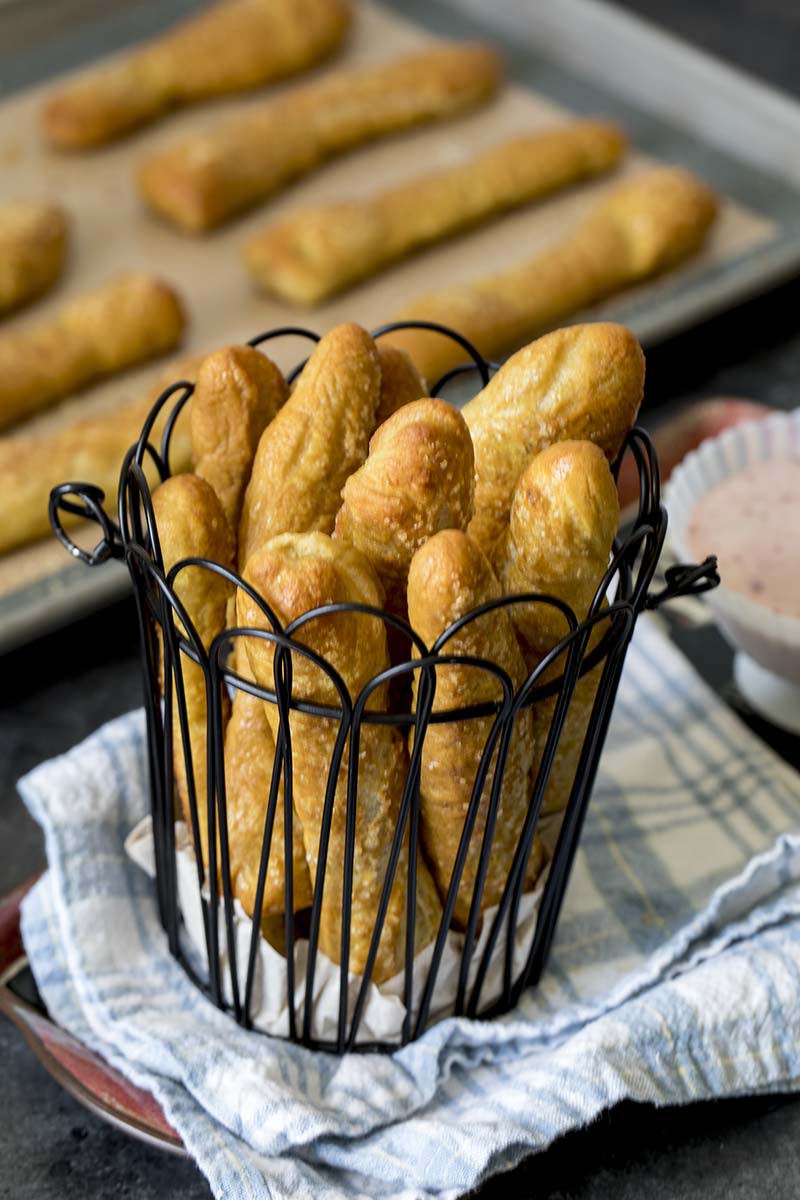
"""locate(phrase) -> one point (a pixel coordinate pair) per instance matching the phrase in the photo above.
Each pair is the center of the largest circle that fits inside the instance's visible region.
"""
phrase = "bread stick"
(584, 382)
(564, 518)
(317, 439)
(33, 242)
(418, 479)
(449, 576)
(249, 757)
(91, 449)
(296, 573)
(132, 318)
(319, 251)
(237, 393)
(229, 47)
(191, 524)
(211, 175)
(640, 228)
(401, 382)
(573, 733)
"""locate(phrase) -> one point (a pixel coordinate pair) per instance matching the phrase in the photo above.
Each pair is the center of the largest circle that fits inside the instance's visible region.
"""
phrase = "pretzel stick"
(230, 47)
(449, 577)
(249, 757)
(91, 449)
(238, 392)
(191, 524)
(401, 382)
(126, 321)
(564, 519)
(33, 240)
(418, 479)
(319, 251)
(209, 176)
(296, 573)
(320, 435)
(585, 382)
(640, 228)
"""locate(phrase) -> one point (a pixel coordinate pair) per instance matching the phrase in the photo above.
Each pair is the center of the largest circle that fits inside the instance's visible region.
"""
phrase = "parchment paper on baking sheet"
(112, 231)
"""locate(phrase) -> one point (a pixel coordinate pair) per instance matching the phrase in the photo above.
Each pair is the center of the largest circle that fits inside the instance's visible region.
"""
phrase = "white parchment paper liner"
(384, 1010)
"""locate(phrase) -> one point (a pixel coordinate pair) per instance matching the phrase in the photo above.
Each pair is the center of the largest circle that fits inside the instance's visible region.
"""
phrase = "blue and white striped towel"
(675, 974)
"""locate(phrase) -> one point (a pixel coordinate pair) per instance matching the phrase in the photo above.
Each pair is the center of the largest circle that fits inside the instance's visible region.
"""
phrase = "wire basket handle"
(686, 579)
(85, 500)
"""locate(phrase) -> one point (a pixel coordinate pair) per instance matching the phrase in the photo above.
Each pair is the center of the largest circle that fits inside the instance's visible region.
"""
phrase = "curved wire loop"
(87, 503)
(478, 362)
(686, 579)
(493, 965)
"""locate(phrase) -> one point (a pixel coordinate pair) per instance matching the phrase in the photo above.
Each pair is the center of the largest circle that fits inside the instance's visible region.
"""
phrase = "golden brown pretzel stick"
(573, 733)
(211, 175)
(237, 393)
(191, 524)
(320, 435)
(296, 573)
(585, 382)
(90, 449)
(401, 382)
(418, 479)
(318, 251)
(449, 577)
(228, 48)
(564, 518)
(638, 229)
(33, 240)
(128, 320)
(249, 756)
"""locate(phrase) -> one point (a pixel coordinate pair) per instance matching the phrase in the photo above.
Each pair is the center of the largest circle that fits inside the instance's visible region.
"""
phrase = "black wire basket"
(491, 967)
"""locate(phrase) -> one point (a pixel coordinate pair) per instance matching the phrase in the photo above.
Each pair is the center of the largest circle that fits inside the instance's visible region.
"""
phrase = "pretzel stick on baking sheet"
(91, 449)
(230, 47)
(641, 227)
(33, 243)
(210, 176)
(319, 251)
(132, 318)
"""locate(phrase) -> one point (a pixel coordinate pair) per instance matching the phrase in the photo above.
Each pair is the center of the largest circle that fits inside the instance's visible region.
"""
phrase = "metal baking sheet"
(578, 56)
(677, 104)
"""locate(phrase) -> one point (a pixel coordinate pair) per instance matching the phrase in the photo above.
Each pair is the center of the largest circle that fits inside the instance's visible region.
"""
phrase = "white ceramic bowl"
(767, 663)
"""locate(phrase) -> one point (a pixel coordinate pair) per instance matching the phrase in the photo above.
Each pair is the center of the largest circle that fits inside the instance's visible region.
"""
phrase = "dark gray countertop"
(54, 692)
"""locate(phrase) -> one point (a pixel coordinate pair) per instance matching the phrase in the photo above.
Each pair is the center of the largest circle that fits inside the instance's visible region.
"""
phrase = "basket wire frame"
(168, 640)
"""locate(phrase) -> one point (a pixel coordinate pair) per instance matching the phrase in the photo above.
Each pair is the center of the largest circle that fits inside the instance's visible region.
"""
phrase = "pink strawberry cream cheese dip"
(751, 521)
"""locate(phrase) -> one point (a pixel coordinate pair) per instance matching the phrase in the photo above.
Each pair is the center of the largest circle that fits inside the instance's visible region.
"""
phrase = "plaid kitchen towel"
(675, 974)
